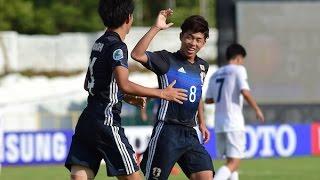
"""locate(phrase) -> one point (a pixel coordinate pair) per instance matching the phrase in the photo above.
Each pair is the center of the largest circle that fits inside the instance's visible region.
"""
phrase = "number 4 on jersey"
(91, 83)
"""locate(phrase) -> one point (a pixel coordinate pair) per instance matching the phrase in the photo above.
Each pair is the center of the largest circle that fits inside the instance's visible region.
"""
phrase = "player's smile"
(192, 50)
(191, 43)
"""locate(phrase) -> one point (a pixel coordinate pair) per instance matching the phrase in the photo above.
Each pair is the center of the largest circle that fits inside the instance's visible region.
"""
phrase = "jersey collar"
(179, 55)
(112, 33)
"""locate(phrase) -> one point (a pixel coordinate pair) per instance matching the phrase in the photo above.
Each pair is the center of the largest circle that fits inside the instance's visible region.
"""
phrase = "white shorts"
(231, 144)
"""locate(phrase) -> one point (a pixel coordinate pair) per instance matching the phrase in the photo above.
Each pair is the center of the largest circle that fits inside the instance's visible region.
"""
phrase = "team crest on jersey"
(202, 67)
(117, 54)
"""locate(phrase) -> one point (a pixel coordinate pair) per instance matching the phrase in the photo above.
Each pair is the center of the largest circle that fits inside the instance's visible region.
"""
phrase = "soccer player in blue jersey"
(98, 134)
(174, 139)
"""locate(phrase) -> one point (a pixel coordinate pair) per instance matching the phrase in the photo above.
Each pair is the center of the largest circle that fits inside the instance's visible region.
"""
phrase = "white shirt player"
(225, 87)
(1, 140)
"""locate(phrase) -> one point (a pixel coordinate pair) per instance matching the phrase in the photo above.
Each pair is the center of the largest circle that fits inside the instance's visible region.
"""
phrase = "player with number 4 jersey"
(174, 139)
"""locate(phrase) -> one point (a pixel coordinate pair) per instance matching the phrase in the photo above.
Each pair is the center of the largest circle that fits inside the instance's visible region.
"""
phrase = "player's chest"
(186, 74)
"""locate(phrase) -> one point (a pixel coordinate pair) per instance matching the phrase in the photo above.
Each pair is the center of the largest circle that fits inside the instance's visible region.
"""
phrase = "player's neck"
(191, 59)
(234, 62)
(122, 32)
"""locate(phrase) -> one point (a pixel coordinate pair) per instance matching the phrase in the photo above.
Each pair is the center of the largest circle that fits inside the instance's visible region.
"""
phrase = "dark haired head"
(234, 50)
(115, 12)
(195, 24)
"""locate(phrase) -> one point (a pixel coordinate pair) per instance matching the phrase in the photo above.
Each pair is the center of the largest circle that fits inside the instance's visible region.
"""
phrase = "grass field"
(304, 168)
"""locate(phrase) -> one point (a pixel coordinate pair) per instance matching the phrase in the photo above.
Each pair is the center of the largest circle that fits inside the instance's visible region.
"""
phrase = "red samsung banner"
(315, 138)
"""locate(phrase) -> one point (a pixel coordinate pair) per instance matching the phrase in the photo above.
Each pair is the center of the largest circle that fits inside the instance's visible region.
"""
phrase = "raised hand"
(173, 94)
(162, 18)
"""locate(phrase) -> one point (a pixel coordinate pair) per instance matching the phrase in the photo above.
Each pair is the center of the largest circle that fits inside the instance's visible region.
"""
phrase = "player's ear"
(129, 18)
(205, 41)
(238, 59)
(180, 36)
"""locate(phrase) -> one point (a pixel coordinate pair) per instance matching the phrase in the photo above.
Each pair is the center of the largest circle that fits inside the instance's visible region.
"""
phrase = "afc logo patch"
(117, 54)
(156, 172)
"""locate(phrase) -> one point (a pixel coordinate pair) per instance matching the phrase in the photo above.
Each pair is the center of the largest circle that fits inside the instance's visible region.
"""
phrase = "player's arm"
(250, 100)
(245, 91)
(128, 87)
(135, 100)
(202, 124)
(85, 84)
(209, 101)
(139, 51)
(209, 95)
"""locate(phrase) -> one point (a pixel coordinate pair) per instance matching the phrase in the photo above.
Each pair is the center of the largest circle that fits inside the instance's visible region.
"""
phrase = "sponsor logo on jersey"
(117, 54)
(181, 70)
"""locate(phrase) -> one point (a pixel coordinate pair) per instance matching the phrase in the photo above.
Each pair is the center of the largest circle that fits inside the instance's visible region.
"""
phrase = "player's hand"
(140, 102)
(259, 115)
(174, 94)
(136, 101)
(162, 18)
(205, 133)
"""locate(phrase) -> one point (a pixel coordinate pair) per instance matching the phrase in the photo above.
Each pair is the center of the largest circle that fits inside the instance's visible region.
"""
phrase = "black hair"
(115, 12)
(234, 50)
(195, 24)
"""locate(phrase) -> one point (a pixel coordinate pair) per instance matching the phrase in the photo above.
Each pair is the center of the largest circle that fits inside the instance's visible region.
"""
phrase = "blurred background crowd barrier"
(71, 51)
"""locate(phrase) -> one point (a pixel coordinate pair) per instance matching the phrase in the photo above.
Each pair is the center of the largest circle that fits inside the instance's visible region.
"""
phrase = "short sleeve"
(157, 62)
(119, 55)
(242, 79)
(210, 90)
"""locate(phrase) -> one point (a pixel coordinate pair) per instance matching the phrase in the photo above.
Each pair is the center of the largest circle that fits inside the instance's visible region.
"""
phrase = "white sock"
(234, 176)
(223, 173)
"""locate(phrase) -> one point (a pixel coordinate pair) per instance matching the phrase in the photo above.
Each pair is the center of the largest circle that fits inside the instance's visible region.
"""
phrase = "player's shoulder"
(240, 69)
(204, 65)
(233, 68)
(118, 45)
(203, 62)
(112, 41)
(163, 53)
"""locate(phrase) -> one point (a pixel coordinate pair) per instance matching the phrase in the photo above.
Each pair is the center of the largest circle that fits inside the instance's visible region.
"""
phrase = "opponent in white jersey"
(1, 140)
(227, 87)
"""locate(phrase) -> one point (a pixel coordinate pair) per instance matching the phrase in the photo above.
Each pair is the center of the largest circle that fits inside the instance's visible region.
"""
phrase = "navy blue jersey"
(107, 53)
(190, 76)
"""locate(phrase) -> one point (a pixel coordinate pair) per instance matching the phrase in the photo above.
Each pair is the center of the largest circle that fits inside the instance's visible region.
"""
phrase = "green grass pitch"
(300, 168)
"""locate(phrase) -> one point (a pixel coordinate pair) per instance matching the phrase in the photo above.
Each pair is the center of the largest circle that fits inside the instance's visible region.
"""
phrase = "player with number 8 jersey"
(174, 139)
(172, 66)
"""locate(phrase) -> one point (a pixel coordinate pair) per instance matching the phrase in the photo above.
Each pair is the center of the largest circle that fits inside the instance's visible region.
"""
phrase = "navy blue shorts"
(94, 141)
(170, 144)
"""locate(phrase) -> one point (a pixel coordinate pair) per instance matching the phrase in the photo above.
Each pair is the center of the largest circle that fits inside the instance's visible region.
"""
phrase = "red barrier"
(315, 139)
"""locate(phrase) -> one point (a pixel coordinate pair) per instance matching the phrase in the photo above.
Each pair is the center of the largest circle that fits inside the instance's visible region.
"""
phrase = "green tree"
(17, 15)
(52, 16)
